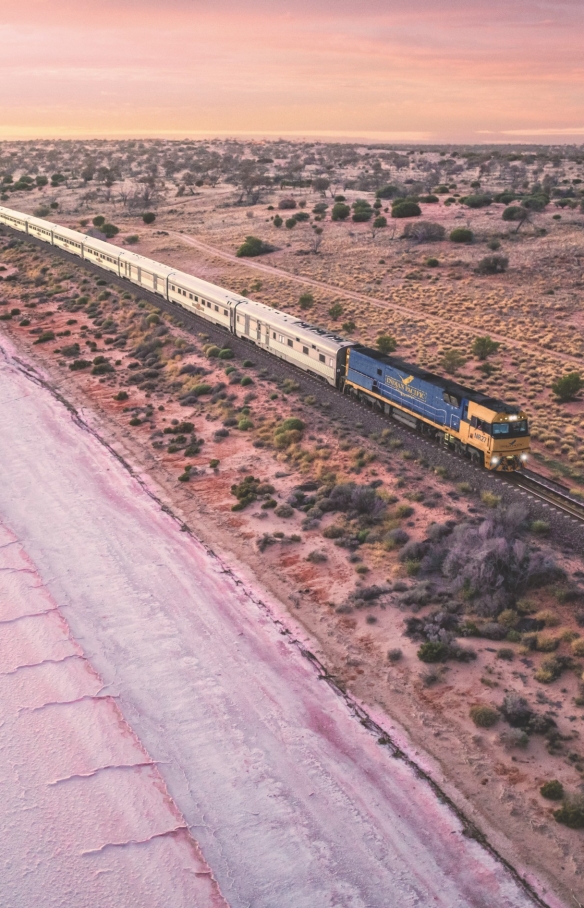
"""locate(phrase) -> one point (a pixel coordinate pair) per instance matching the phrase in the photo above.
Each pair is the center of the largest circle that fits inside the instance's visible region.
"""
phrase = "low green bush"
(405, 209)
(432, 651)
(571, 813)
(461, 235)
(484, 716)
(552, 790)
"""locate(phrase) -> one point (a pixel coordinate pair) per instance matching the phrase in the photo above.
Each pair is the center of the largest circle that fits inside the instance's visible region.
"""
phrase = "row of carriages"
(312, 349)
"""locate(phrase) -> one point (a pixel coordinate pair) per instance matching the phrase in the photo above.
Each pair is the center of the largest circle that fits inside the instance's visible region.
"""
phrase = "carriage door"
(246, 328)
(259, 332)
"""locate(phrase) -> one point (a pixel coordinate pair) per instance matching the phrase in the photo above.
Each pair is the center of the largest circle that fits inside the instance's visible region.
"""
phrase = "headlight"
(523, 457)
(495, 461)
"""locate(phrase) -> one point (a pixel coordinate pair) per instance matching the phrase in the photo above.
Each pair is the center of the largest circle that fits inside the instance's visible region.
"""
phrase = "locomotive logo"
(403, 387)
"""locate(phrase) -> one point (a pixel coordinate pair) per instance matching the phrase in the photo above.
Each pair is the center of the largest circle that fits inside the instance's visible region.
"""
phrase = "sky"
(424, 71)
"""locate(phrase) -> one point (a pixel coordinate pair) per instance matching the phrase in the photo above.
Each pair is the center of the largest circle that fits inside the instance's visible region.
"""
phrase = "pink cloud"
(442, 68)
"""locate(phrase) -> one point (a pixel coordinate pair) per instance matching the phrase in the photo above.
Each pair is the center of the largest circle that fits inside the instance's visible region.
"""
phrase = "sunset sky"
(393, 70)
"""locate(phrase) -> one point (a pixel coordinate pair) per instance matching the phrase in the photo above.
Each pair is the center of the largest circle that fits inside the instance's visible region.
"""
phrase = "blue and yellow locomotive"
(489, 431)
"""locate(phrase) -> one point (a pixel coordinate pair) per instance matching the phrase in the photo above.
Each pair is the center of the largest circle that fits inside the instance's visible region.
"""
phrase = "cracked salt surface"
(292, 802)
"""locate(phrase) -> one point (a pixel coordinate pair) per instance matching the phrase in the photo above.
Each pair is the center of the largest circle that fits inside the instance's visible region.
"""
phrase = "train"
(492, 433)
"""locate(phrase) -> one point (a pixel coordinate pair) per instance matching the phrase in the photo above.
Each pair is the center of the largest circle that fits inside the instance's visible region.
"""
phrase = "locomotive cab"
(502, 436)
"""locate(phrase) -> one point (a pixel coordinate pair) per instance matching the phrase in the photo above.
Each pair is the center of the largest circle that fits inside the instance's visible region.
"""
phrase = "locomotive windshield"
(510, 429)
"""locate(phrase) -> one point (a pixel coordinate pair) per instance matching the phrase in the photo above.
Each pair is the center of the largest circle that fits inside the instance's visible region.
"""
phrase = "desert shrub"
(571, 813)
(70, 350)
(98, 221)
(306, 301)
(316, 557)
(200, 389)
(80, 364)
(387, 192)
(252, 247)
(412, 551)
(540, 527)
(482, 347)
(492, 264)
(514, 737)
(380, 221)
(290, 223)
(102, 368)
(451, 361)
(110, 230)
(484, 716)
(386, 343)
(246, 492)
(287, 204)
(278, 221)
(148, 217)
(515, 213)
(362, 210)
(546, 644)
(480, 200)
(340, 211)
(333, 532)
(423, 231)
(549, 618)
(226, 353)
(506, 654)
(246, 380)
(121, 395)
(335, 311)
(493, 564)
(578, 647)
(394, 655)
(550, 669)
(284, 510)
(461, 235)
(406, 209)
(180, 428)
(351, 498)
(552, 790)
(395, 538)
(244, 424)
(433, 651)
(490, 499)
(132, 239)
(45, 337)
(568, 386)
(516, 711)
(432, 262)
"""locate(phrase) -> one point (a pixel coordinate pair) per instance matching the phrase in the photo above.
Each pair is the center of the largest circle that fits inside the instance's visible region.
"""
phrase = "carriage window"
(379, 372)
(322, 358)
(290, 344)
(226, 312)
(216, 308)
(305, 351)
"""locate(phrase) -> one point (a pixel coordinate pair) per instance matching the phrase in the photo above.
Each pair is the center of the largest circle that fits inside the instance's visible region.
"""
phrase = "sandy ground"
(292, 801)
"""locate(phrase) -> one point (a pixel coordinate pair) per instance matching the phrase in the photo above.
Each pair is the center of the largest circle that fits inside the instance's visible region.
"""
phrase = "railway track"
(549, 492)
(359, 415)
